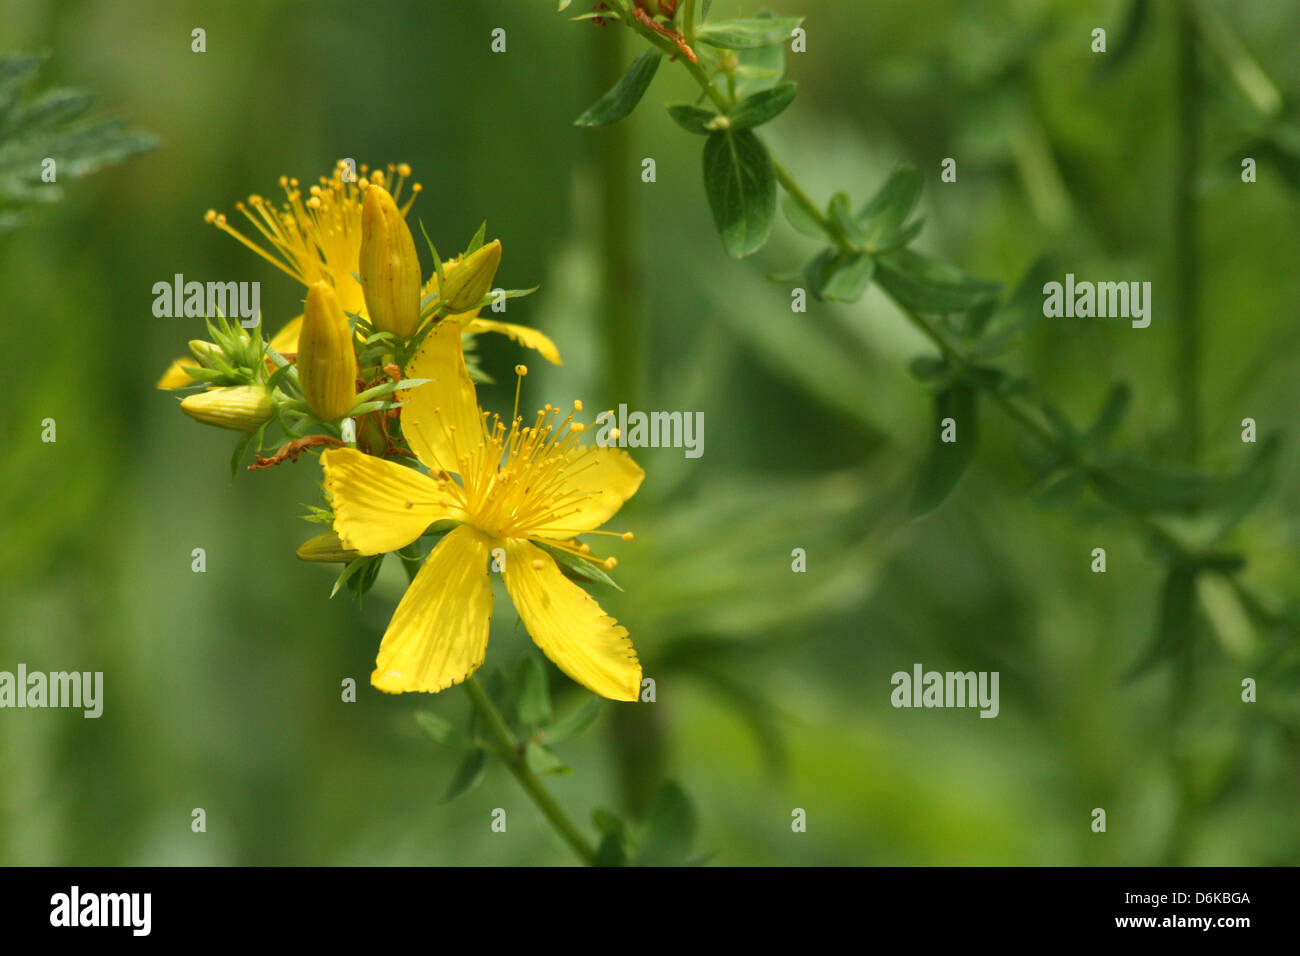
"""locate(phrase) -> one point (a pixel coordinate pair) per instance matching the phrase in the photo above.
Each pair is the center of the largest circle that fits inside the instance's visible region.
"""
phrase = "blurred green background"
(223, 688)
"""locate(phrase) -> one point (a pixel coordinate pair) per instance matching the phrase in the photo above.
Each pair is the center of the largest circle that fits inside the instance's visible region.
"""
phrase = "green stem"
(512, 755)
(1186, 272)
(1186, 277)
(637, 737)
(508, 748)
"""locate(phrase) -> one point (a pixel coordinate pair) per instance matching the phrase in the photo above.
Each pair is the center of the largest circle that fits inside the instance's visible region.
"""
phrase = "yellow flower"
(319, 238)
(517, 487)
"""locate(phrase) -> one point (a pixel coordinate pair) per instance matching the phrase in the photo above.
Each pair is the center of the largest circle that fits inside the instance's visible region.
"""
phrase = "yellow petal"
(176, 376)
(286, 340)
(524, 335)
(440, 419)
(379, 505)
(596, 482)
(439, 632)
(569, 626)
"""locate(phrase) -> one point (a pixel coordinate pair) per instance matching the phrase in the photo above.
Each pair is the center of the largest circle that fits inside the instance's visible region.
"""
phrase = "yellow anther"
(538, 564)
(627, 535)
(521, 369)
(611, 564)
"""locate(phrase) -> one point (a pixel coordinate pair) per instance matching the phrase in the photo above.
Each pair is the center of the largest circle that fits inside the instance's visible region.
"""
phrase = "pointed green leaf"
(886, 212)
(930, 286)
(541, 760)
(566, 728)
(467, 775)
(624, 95)
(442, 731)
(947, 461)
(763, 106)
(1174, 624)
(848, 277)
(740, 181)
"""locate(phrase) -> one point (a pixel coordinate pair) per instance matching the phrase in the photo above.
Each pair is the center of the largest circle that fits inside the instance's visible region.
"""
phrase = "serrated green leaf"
(1174, 623)
(763, 106)
(467, 775)
(747, 33)
(624, 95)
(948, 461)
(740, 182)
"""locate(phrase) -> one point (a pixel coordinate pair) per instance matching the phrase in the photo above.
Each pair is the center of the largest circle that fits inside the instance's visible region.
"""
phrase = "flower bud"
(327, 364)
(241, 407)
(327, 547)
(470, 279)
(206, 352)
(389, 267)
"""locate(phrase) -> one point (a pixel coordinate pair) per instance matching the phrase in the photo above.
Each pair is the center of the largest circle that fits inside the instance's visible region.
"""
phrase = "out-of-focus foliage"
(223, 689)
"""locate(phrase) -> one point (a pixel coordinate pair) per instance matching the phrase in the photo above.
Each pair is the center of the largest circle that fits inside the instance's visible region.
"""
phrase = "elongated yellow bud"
(327, 364)
(471, 278)
(327, 547)
(389, 267)
(241, 407)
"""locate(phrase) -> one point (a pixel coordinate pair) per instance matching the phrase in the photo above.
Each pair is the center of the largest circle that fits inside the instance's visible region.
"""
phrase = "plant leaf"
(747, 33)
(1173, 626)
(763, 106)
(694, 119)
(928, 285)
(740, 182)
(624, 95)
(947, 461)
(566, 728)
(669, 828)
(467, 775)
